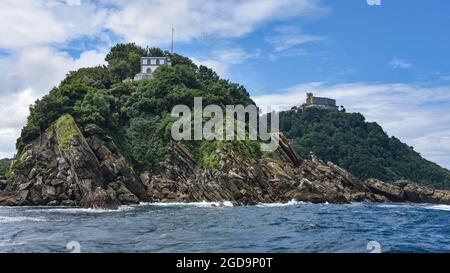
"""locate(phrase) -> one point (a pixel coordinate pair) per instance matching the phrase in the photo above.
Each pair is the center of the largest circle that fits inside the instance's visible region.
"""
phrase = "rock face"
(407, 191)
(62, 167)
(65, 166)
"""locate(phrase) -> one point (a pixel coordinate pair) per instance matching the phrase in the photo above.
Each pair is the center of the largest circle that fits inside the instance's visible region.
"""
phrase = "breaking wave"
(290, 203)
(439, 207)
(12, 219)
(202, 204)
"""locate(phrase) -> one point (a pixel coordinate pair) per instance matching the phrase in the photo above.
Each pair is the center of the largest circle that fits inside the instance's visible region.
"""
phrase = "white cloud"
(73, 2)
(220, 68)
(31, 23)
(288, 37)
(222, 59)
(13, 114)
(27, 75)
(41, 68)
(399, 63)
(235, 55)
(417, 115)
(149, 22)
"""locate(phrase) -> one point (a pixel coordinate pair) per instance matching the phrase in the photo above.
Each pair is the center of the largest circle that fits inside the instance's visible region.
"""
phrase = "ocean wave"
(89, 210)
(381, 205)
(439, 207)
(202, 204)
(290, 203)
(11, 219)
(9, 243)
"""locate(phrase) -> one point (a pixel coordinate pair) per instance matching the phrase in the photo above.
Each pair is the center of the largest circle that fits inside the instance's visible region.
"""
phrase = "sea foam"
(11, 219)
(290, 203)
(439, 207)
(202, 204)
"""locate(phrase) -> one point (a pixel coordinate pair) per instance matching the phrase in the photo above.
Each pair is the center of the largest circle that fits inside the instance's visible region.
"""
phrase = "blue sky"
(388, 61)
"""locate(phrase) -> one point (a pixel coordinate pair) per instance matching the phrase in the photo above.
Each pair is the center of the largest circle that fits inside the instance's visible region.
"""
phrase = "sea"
(221, 227)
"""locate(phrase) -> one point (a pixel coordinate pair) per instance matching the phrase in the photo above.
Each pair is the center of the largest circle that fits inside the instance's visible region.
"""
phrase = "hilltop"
(361, 147)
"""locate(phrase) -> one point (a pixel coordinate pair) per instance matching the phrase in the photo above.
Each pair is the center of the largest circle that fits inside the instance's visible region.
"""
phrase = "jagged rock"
(72, 172)
(407, 191)
(66, 166)
(420, 194)
(392, 192)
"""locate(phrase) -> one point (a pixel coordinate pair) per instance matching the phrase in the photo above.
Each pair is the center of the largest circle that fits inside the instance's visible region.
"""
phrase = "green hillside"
(135, 113)
(361, 147)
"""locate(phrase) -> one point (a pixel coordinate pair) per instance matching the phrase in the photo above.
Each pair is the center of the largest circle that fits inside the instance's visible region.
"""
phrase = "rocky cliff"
(65, 167)
(73, 167)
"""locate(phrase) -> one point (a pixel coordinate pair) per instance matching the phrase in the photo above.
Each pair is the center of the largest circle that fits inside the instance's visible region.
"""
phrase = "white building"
(149, 65)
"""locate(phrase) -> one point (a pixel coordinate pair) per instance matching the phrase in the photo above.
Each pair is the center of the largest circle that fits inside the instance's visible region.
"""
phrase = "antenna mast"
(172, 39)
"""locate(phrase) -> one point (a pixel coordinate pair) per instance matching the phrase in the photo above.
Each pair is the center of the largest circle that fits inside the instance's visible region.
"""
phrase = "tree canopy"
(361, 147)
(136, 114)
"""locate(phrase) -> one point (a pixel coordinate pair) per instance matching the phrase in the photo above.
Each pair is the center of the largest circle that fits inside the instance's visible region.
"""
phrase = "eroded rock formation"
(65, 166)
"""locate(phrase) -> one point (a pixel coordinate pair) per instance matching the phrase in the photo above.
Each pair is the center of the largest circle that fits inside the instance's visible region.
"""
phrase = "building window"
(153, 61)
(149, 70)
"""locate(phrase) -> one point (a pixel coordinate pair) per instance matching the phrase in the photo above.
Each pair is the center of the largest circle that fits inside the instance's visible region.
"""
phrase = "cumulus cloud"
(25, 76)
(416, 114)
(145, 21)
(41, 68)
(13, 114)
(31, 23)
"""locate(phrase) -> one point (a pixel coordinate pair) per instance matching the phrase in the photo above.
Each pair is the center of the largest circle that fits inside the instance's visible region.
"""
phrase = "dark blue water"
(205, 228)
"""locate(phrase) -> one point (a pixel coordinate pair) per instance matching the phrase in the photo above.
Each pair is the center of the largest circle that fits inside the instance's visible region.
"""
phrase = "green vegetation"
(208, 151)
(97, 77)
(135, 114)
(361, 147)
(66, 130)
(4, 166)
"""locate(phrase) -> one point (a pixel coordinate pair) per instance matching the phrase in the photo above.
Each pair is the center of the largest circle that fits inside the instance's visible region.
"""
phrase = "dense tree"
(97, 77)
(124, 60)
(361, 147)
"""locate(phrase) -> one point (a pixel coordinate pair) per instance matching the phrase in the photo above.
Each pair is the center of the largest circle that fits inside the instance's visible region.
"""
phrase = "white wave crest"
(290, 203)
(10, 243)
(12, 219)
(202, 204)
(89, 210)
(439, 207)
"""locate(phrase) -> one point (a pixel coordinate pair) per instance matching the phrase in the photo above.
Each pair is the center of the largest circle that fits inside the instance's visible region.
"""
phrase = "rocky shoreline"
(72, 167)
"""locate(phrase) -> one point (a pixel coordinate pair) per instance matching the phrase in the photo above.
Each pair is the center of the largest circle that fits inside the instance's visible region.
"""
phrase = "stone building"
(319, 102)
(149, 65)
